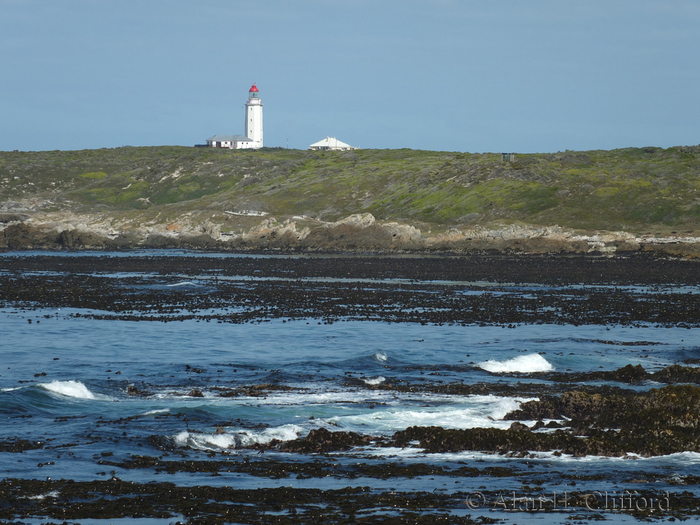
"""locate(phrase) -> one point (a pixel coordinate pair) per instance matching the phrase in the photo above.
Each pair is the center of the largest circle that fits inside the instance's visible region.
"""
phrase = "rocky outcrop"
(356, 233)
(322, 440)
(362, 233)
(13, 217)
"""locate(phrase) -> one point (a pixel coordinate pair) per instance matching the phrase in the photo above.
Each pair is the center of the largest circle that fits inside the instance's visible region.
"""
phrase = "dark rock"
(133, 391)
(348, 237)
(19, 445)
(80, 239)
(24, 236)
(13, 217)
(323, 440)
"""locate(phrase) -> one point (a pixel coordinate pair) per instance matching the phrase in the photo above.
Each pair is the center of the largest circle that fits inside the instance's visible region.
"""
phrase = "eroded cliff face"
(356, 233)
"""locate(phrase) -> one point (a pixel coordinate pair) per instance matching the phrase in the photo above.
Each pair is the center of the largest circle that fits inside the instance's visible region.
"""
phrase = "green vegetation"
(637, 189)
(95, 175)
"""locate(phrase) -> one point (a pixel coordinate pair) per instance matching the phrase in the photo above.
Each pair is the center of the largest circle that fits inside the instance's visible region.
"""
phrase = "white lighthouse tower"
(253, 118)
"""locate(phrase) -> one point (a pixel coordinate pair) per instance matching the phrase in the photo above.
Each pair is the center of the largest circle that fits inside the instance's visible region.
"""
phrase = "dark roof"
(230, 138)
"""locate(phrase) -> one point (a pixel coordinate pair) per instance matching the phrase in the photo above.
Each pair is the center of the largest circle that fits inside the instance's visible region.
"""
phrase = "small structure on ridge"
(331, 144)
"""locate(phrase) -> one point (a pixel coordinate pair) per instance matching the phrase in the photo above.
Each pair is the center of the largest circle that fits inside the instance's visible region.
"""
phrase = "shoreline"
(356, 234)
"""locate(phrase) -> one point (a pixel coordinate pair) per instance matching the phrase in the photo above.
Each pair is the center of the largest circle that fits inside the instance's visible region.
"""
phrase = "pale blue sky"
(507, 75)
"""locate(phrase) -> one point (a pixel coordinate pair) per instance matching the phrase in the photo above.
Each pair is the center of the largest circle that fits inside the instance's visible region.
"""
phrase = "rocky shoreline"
(360, 233)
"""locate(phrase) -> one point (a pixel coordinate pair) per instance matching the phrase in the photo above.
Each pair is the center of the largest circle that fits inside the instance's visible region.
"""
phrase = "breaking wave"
(524, 364)
(235, 439)
(463, 412)
(70, 388)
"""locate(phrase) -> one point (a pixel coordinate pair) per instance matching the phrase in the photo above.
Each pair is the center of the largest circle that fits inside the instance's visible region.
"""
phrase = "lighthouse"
(253, 138)
(253, 118)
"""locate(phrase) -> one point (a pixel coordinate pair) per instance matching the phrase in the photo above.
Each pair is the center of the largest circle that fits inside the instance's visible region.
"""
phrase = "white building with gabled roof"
(229, 141)
(332, 144)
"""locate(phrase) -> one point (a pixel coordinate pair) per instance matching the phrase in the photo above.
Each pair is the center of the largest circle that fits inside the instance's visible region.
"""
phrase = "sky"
(448, 75)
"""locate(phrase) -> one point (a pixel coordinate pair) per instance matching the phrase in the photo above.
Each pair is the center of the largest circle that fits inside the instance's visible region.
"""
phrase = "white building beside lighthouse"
(253, 138)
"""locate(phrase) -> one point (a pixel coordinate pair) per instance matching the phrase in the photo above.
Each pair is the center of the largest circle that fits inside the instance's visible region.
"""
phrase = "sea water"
(64, 381)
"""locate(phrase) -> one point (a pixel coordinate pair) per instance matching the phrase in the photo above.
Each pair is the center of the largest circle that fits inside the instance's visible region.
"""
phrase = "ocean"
(128, 377)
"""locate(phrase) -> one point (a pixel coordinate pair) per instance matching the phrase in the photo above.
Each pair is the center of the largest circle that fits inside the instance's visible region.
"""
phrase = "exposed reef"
(295, 293)
(63, 500)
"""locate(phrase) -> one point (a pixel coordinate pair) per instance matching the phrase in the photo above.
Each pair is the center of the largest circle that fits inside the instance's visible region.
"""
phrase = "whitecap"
(459, 412)
(380, 356)
(157, 411)
(236, 438)
(69, 389)
(374, 380)
(51, 494)
(524, 364)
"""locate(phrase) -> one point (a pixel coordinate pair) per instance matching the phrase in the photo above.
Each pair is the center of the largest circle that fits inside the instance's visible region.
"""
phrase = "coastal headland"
(383, 201)
(449, 241)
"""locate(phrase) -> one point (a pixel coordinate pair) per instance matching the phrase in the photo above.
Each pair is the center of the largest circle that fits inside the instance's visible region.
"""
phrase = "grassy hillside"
(647, 189)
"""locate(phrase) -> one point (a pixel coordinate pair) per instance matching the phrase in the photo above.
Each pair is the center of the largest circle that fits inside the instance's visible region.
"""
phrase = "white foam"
(157, 411)
(415, 452)
(471, 455)
(365, 411)
(236, 438)
(51, 494)
(524, 364)
(374, 380)
(457, 412)
(681, 458)
(69, 389)
(329, 397)
(380, 356)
